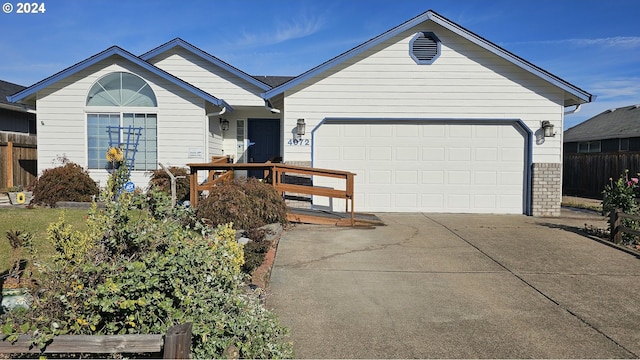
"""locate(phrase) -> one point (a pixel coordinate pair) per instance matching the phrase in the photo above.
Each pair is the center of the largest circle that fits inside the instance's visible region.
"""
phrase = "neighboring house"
(430, 116)
(600, 148)
(610, 131)
(18, 155)
(15, 118)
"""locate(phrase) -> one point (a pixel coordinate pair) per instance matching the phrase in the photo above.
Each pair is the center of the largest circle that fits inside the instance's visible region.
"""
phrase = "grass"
(36, 222)
(580, 203)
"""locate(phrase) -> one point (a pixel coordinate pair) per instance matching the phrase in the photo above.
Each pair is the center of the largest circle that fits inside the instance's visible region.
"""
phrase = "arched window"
(126, 93)
(121, 89)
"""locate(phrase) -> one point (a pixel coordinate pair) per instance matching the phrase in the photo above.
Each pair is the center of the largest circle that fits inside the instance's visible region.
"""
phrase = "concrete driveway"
(457, 286)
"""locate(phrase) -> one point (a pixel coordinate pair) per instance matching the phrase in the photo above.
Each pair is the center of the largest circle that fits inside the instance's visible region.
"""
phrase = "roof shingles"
(611, 124)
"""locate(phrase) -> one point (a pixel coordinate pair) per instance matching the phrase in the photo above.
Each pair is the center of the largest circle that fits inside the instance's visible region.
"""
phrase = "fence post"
(177, 342)
(9, 164)
(615, 222)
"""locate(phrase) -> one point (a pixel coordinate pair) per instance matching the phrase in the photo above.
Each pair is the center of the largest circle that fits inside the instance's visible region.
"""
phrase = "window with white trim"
(240, 141)
(123, 92)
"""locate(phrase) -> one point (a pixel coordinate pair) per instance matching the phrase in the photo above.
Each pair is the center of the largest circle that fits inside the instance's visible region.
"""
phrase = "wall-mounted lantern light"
(547, 127)
(224, 124)
(300, 127)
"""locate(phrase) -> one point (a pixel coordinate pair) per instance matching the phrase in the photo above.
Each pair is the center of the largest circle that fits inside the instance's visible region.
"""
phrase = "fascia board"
(112, 51)
(455, 28)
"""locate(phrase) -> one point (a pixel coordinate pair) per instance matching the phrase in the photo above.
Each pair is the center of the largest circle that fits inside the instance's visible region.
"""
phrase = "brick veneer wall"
(546, 189)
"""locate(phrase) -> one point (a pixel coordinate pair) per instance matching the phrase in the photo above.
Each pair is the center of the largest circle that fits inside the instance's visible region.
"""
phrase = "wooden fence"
(18, 159)
(617, 228)
(176, 344)
(586, 174)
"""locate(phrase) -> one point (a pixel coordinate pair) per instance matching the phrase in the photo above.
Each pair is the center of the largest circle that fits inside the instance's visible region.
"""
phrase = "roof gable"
(205, 55)
(611, 124)
(577, 95)
(115, 51)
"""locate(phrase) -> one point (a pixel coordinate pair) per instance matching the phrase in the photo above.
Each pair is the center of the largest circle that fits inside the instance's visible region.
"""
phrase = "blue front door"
(265, 136)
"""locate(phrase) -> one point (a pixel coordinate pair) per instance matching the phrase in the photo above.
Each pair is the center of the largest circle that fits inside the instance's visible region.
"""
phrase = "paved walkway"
(457, 286)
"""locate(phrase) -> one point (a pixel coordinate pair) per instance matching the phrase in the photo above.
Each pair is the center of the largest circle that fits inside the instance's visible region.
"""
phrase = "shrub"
(254, 252)
(160, 180)
(247, 203)
(69, 182)
(141, 272)
(622, 193)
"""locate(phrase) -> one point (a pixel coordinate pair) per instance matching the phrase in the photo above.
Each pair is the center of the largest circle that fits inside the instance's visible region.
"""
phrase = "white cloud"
(292, 28)
(615, 41)
(627, 42)
(615, 88)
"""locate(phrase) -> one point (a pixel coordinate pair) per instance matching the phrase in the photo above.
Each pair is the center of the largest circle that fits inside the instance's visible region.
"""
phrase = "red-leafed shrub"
(248, 203)
(161, 181)
(69, 182)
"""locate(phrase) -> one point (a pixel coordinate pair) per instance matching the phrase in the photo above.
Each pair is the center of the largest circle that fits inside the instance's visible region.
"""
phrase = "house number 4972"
(299, 142)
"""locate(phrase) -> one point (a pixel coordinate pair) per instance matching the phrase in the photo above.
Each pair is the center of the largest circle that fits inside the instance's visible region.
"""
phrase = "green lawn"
(35, 221)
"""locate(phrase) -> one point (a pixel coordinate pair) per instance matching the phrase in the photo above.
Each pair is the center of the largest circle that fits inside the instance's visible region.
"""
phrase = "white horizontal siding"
(465, 82)
(208, 77)
(61, 108)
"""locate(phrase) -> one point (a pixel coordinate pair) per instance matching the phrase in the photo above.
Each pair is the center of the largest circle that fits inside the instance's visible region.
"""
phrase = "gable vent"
(424, 48)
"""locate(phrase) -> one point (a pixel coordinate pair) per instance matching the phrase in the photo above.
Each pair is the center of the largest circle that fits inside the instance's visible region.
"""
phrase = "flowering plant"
(114, 155)
(622, 194)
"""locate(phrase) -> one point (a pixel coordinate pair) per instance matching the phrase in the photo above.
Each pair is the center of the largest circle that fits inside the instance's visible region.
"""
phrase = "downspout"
(268, 106)
(573, 111)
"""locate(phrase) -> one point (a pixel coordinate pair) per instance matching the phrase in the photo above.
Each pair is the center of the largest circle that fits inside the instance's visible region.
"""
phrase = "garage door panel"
(406, 177)
(421, 166)
(486, 154)
(408, 201)
(406, 153)
(433, 153)
(433, 177)
(381, 131)
(459, 154)
(354, 153)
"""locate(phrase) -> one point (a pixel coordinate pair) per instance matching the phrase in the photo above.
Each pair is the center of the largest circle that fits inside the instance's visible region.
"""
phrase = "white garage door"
(409, 166)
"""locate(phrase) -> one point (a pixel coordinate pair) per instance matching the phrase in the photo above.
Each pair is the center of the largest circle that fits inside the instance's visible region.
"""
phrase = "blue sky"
(593, 44)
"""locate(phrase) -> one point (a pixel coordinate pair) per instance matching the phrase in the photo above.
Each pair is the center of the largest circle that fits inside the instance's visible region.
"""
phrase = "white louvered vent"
(425, 48)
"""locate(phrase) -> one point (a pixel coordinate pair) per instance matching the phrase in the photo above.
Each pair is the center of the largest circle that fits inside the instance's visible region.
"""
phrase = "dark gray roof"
(6, 89)
(274, 81)
(611, 124)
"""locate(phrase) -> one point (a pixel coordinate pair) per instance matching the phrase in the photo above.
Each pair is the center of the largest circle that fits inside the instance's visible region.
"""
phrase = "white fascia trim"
(455, 28)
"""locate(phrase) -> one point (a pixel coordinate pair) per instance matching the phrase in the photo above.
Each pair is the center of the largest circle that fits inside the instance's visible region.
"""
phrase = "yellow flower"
(114, 154)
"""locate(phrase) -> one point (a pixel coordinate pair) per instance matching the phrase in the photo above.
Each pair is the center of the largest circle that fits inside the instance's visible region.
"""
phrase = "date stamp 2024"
(24, 8)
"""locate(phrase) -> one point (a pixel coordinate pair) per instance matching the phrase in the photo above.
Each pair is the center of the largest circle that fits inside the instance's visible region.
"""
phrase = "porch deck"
(326, 217)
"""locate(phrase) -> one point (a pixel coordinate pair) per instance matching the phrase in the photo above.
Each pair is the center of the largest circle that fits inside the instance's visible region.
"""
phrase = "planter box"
(13, 197)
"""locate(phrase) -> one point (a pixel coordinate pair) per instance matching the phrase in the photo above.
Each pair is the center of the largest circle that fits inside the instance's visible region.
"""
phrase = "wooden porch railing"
(221, 170)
